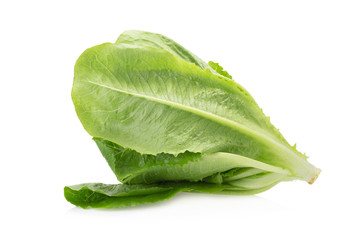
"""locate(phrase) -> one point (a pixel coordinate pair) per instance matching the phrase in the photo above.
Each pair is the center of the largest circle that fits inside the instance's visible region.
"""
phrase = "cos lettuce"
(166, 122)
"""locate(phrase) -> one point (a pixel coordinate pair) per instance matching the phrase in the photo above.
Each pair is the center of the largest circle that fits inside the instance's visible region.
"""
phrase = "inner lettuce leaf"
(167, 122)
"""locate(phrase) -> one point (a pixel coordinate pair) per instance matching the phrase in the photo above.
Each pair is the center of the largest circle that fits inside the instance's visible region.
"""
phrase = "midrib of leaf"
(208, 115)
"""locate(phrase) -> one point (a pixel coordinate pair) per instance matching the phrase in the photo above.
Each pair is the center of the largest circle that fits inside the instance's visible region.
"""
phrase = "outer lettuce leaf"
(132, 167)
(99, 195)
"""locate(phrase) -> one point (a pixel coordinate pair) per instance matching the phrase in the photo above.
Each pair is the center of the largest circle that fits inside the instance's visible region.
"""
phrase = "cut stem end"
(312, 180)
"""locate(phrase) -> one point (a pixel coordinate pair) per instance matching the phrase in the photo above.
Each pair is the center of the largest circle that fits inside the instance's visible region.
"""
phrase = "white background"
(299, 59)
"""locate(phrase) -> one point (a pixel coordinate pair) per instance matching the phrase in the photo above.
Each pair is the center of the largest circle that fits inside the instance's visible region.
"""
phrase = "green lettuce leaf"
(99, 195)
